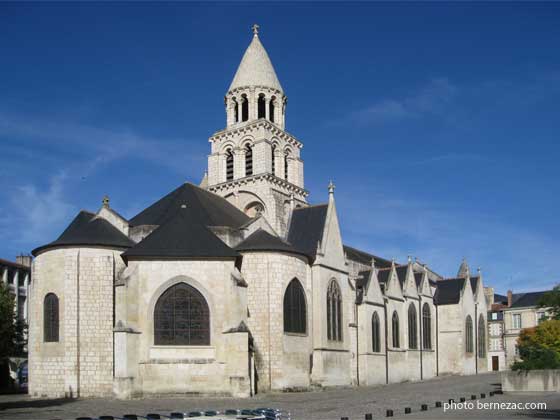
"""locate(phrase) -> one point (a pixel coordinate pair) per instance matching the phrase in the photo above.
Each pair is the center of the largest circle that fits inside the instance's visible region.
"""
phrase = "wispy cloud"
(391, 225)
(101, 146)
(432, 98)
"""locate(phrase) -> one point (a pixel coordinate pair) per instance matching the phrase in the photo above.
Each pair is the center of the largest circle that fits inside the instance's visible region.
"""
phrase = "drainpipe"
(357, 339)
(421, 341)
(476, 339)
(386, 343)
(78, 326)
(437, 341)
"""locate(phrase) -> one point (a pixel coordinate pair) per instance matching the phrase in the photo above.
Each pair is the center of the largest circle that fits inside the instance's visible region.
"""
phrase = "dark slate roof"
(87, 229)
(448, 291)
(474, 283)
(500, 298)
(206, 207)
(306, 228)
(401, 274)
(261, 240)
(418, 278)
(383, 275)
(182, 236)
(522, 300)
(363, 278)
(363, 257)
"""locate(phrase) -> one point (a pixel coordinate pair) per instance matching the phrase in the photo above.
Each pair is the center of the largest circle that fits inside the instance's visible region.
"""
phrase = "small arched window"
(248, 160)
(481, 337)
(50, 318)
(469, 335)
(229, 165)
(244, 108)
(261, 106)
(412, 328)
(273, 158)
(286, 164)
(395, 328)
(295, 317)
(334, 312)
(426, 327)
(271, 109)
(375, 333)
(235, 111)
(181, 317)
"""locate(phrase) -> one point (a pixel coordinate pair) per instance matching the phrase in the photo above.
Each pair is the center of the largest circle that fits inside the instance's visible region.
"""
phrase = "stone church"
(239, 285)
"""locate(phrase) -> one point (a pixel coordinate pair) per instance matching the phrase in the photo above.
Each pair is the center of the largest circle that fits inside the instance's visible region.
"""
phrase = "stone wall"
(81, 362)
(531, 381)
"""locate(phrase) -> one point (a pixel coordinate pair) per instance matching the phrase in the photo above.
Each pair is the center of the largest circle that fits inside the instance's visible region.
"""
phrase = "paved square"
(331, 404)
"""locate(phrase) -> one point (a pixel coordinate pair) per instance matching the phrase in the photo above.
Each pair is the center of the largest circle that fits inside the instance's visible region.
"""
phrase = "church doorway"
(495, 363)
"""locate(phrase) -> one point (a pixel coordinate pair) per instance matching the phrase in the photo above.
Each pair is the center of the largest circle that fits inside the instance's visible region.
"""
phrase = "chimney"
(24, 260)
(510, 297)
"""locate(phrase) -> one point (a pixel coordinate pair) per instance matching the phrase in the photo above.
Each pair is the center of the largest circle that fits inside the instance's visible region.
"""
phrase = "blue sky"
(439, 123)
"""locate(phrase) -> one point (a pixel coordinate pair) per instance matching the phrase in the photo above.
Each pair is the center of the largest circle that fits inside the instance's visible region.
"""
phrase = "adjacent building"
(240, 285)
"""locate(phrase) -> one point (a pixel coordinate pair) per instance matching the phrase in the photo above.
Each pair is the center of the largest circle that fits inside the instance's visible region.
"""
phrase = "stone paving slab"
(330, 404)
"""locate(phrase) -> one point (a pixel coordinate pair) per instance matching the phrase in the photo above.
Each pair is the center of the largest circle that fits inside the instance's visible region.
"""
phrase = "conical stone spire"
(464, 270)
(255, 68)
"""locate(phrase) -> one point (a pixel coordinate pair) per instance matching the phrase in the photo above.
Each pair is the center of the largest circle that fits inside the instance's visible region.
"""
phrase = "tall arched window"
(375, 333)
(412, 328)
(426, 327)
(271, 109)
(286, 164)
(244, 108)
(50, 318)
(261, 106)
(229, 165)
(481, 337)
(181, 317)
(273, 159)
(248, 160)
(295, 317)
(468, 335)
(334, 312)
(395, 330)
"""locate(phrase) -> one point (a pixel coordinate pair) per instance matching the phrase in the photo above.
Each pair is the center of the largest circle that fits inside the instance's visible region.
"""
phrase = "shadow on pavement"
(30, 403)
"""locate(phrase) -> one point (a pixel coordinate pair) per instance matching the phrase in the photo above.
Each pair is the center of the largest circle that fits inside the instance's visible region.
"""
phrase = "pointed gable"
(206, 207)
(181, 236)
(87, 229)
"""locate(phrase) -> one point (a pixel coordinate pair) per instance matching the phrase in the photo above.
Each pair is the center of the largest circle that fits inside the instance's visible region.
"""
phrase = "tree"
(551, 300)
(12, 330)
(539, 347)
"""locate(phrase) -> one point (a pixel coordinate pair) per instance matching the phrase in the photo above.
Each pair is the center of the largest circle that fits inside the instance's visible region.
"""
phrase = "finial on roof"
(463, 269)
(478, 270)
(106, 201)
(331, 187)
(255, 28)
(409, 259)
(372, 262)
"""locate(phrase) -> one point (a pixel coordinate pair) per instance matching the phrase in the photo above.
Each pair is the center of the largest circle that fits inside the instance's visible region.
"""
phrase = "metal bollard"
(473, 397)
(389, 413)
(344, 418)
(483, 395)
(491, 393)
(451, 401)
(407, 410)
(462, 399)
(438, 404)
(424, 407)
(369, 416)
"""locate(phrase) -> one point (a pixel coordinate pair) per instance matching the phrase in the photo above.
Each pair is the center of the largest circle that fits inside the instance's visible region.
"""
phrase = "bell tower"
(254, 163)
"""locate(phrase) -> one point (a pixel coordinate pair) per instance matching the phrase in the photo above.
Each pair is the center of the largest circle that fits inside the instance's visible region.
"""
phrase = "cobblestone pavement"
(321, 405)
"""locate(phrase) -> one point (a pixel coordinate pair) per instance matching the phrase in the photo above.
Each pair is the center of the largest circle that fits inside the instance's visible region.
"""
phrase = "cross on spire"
(255, 28)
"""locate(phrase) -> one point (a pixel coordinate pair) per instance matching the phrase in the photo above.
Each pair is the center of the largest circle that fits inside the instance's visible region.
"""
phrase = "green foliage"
(539, 347)
(12, 331)
(551, 300)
